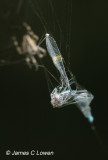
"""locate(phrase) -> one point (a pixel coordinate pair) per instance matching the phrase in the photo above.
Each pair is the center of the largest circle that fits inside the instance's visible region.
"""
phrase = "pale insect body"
(63, 94)
(56, 56)
(29, 47)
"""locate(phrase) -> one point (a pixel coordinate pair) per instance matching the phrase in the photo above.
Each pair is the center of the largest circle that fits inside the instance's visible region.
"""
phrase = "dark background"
(27, 119)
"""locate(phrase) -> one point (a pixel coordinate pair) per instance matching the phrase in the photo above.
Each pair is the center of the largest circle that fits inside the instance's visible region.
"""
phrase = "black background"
(27, 119)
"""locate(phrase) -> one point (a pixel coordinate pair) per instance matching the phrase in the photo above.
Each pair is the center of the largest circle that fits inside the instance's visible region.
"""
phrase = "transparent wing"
(57, 59)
